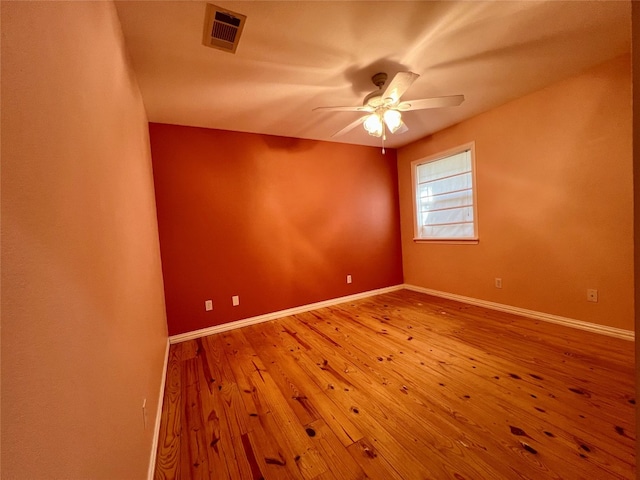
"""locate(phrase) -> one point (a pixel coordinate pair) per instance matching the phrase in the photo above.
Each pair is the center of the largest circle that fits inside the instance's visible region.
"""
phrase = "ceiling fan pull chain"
(384, 137)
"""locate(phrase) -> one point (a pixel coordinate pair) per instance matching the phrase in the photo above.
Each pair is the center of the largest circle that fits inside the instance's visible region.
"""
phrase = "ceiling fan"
(384, 108)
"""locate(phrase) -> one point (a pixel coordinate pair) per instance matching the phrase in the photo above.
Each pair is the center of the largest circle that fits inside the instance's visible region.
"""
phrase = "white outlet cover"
(208, 305)
(348, 278)
(235, 300)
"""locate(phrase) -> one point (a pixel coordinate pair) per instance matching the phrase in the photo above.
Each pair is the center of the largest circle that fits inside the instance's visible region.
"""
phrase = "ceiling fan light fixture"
(384, 108)
(373, 125)
(393, 119)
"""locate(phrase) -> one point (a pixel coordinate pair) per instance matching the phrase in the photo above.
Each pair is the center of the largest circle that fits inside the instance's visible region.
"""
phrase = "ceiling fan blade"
(350, 127)
(344, 109)
(401, 129)
(435, 102)
(400, 83)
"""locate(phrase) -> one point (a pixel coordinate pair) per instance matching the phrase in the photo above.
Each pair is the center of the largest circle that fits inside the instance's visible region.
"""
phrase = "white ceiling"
(294, 56)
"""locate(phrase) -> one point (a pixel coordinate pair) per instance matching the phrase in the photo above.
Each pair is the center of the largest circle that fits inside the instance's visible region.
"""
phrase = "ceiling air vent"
(222, 28)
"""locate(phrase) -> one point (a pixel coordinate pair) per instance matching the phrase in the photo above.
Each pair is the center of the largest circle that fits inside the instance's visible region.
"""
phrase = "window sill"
(450, 241)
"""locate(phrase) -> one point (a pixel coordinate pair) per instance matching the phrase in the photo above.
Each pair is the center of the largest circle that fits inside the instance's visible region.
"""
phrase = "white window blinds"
(444, 197)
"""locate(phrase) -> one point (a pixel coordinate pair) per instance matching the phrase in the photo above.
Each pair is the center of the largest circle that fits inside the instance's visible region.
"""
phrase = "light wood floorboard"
(399, 386)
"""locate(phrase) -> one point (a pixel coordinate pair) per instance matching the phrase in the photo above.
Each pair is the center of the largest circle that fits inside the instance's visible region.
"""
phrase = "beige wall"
(555, 209)
(83, 322)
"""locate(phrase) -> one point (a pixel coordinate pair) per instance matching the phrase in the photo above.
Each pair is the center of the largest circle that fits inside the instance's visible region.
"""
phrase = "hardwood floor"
(400, 386)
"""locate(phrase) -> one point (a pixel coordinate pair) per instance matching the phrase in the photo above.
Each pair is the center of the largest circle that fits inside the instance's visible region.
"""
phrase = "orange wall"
(555, 202)
(635, 49)
(278, 221)
(83, 323)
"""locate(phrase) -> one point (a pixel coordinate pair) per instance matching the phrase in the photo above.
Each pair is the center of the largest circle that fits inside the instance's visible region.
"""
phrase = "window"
(444, 187)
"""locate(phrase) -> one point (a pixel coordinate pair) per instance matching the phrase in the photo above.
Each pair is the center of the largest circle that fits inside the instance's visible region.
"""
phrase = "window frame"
(471, 146)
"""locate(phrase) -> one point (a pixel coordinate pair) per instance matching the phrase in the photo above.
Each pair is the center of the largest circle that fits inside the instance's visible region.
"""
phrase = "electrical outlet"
(235, 300)
(208, 305)
(144, 413)
(348, 278)
(592, 295)
(498, 282)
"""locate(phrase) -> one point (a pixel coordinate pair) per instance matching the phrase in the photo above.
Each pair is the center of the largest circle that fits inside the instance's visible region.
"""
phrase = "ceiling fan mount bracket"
(379, 79)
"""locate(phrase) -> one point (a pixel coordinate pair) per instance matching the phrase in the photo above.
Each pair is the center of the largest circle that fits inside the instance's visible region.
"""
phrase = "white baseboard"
(546, 317)
(183, 337)
(156, 427)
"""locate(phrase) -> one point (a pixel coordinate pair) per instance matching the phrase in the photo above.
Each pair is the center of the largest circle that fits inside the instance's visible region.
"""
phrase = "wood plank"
(221, 410)
(265, 455)
(524, 418)
(195, 457)
(341, 464)
(294, 392)
(371, 402)
(398, 386)
(590, 413)
(374, 466)
(168, 454)
(314, 397)
(273, 412)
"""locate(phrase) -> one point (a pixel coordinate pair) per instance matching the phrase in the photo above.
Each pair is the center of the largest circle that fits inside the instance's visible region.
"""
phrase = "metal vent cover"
(222, 28)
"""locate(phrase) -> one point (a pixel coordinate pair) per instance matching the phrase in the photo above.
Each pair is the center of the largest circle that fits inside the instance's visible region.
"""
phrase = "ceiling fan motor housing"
(374, 99)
